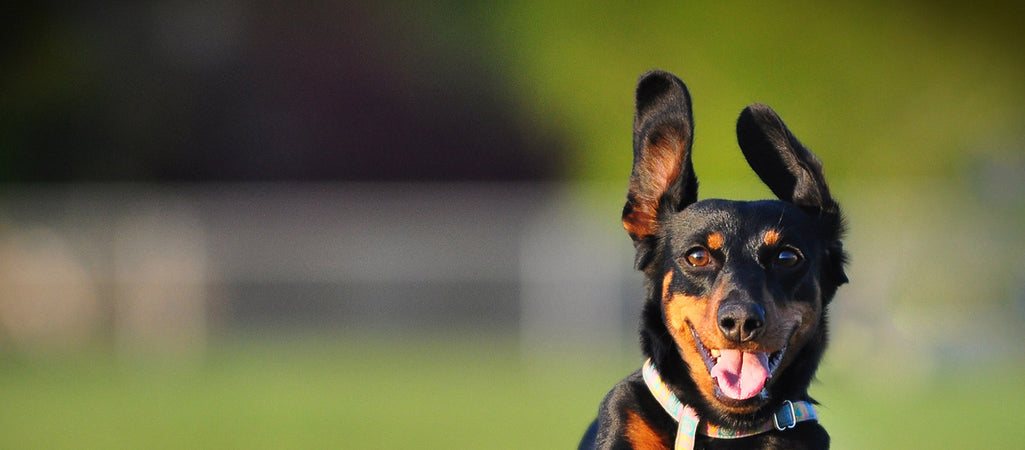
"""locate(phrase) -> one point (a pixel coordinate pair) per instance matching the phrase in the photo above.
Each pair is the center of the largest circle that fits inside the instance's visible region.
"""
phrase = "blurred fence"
(160, 269)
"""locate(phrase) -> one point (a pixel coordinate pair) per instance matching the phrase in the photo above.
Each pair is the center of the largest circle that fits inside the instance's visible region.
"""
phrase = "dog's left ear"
(789, 169)
(795, 175)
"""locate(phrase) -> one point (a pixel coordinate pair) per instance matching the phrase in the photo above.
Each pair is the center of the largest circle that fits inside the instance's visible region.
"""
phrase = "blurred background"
(255, 224)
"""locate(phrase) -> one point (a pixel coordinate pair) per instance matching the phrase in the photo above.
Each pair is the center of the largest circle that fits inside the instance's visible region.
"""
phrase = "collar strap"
(788, 416)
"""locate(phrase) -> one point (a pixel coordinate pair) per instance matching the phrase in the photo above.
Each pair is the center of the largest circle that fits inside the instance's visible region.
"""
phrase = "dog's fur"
(734, 275)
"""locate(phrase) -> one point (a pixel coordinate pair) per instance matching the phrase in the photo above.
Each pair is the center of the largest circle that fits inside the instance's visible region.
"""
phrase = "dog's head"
(737, 290)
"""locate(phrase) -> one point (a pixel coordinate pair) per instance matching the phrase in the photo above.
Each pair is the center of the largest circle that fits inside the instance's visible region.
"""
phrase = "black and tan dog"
(734, 323)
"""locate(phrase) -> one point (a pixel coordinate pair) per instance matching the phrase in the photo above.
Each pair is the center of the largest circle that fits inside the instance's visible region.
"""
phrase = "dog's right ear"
(662, 180)
(788, 168)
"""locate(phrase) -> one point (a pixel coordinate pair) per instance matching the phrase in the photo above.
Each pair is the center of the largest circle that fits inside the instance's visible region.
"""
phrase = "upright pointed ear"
(790, 170)
(662, 180)
(795, 175)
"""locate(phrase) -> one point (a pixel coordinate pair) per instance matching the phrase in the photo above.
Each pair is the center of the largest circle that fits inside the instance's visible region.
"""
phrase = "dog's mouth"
(738, 375)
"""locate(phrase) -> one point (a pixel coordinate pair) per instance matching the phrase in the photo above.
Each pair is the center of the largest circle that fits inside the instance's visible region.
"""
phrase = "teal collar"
(788, 416)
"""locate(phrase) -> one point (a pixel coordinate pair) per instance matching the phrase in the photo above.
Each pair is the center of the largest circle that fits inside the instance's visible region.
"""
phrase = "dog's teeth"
(714, 353)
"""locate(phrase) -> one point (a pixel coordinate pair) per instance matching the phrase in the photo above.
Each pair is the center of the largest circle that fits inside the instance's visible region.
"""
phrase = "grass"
(293, 393)
(372, 392)
(960, 408)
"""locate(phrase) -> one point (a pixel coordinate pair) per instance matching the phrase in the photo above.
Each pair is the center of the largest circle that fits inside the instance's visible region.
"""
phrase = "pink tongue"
(741, 375)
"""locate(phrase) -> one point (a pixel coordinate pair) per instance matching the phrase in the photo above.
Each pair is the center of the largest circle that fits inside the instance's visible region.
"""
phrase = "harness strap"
(788, 416)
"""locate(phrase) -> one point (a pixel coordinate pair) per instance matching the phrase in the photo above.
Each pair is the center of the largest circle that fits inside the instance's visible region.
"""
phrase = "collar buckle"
(786, 417)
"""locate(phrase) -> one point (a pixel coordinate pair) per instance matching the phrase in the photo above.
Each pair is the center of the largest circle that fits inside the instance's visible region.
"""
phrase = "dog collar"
(690, 424)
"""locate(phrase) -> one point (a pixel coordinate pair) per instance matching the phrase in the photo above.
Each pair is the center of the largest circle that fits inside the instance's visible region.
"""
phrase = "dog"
(734, 322)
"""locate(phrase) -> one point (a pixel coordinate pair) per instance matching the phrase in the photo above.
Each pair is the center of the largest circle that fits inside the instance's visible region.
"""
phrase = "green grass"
(961, 408)
(367, 392)
(350, 393)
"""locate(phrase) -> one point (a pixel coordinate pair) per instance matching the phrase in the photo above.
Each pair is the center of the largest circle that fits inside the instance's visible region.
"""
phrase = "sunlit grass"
(373, 392)
(964, 407)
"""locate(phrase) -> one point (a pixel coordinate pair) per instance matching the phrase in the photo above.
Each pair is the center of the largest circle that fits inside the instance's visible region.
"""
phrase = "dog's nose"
(741, 321)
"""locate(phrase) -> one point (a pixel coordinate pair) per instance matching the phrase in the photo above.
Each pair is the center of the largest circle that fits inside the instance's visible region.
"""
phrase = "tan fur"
(641, 435)
(715, 241)
(652, 174)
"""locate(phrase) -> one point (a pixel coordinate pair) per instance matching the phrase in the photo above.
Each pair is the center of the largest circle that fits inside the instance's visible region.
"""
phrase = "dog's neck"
(690, 424)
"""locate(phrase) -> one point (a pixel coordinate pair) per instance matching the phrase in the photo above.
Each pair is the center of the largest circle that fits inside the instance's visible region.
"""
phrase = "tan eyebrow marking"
(715, 240)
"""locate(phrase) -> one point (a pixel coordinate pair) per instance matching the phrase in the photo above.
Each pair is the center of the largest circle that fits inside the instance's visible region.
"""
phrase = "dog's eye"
(698, 257)
(788, 258)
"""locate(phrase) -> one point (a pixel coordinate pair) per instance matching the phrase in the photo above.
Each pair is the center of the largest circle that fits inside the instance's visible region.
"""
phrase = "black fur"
(666, 221)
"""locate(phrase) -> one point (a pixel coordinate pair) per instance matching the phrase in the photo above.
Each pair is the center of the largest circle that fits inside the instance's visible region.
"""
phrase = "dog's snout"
(741, 321)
